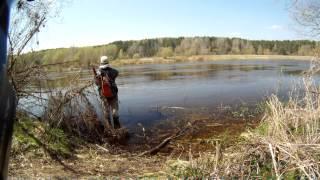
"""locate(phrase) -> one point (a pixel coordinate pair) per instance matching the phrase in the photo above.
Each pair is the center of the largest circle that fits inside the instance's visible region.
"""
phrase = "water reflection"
(297, 72)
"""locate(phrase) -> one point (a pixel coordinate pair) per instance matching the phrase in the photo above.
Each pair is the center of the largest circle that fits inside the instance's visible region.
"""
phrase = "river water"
(151, 93)
(146, 91)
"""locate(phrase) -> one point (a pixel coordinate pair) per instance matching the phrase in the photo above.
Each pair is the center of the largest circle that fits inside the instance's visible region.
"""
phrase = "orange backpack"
(106, 86)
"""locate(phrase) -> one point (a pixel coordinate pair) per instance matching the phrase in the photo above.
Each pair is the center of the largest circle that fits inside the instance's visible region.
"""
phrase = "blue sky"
(93, 22)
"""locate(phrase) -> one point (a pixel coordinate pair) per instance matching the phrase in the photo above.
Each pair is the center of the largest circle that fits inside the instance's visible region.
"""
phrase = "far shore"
(195, 58)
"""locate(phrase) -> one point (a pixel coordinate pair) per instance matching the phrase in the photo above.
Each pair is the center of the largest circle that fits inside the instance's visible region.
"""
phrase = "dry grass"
(291, 133)
(90, 162)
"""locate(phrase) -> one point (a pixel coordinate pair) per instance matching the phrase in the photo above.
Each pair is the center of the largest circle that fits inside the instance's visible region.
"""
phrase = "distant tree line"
(167, 47)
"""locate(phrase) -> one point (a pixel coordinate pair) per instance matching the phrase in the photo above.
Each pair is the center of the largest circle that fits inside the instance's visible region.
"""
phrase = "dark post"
(7, 95)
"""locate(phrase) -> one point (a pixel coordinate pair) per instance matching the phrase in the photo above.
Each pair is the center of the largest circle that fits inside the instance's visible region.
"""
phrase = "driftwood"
(166, 141)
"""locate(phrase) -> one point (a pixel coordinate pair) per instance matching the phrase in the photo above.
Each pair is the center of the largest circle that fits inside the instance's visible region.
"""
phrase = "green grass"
(262, 129)
(32, 135)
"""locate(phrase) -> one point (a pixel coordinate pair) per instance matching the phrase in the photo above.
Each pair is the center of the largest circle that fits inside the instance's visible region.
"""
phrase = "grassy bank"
(199, 58)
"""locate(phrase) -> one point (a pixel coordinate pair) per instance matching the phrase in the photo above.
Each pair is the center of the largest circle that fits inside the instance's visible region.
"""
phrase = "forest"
(169, 47)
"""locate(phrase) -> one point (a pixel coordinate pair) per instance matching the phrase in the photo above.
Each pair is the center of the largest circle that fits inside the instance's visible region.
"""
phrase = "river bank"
(199, 58)
(124, 160)
(93, 160)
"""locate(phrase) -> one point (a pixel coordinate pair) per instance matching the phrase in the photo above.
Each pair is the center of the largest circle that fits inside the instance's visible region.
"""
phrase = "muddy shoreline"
(223, 124)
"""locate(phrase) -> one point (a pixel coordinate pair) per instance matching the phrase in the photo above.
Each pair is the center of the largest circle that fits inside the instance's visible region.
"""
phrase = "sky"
(94, 22)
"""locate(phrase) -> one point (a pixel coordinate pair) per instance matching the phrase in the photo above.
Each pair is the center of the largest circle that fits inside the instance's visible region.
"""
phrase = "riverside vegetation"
(168, 48)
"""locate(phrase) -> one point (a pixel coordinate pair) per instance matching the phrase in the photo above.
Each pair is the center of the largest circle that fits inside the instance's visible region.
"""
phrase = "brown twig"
(166, 141)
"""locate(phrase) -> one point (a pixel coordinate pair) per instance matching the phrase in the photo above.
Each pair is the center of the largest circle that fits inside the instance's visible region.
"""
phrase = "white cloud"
(234, 34)
(276, 27)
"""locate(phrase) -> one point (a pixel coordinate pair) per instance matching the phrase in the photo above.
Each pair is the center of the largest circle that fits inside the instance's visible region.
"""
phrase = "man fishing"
(105, 79)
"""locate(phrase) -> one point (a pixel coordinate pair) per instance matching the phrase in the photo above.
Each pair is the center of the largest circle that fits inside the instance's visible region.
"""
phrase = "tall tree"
(236, 46)
(248, 48)
(260, 50)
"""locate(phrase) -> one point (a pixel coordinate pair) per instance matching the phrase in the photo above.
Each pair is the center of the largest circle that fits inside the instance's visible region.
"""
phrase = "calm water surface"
(146, 90)
(151, 93)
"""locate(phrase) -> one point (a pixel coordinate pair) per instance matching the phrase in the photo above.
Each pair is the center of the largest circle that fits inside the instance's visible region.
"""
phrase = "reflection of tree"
(200, 70)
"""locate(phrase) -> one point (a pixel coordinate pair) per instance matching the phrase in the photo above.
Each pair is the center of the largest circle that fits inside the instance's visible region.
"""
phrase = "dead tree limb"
(166, 141)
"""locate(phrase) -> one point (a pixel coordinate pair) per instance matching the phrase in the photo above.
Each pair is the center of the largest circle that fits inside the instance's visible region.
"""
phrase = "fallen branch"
(156, 149)
(166, 141)
(102, 148)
